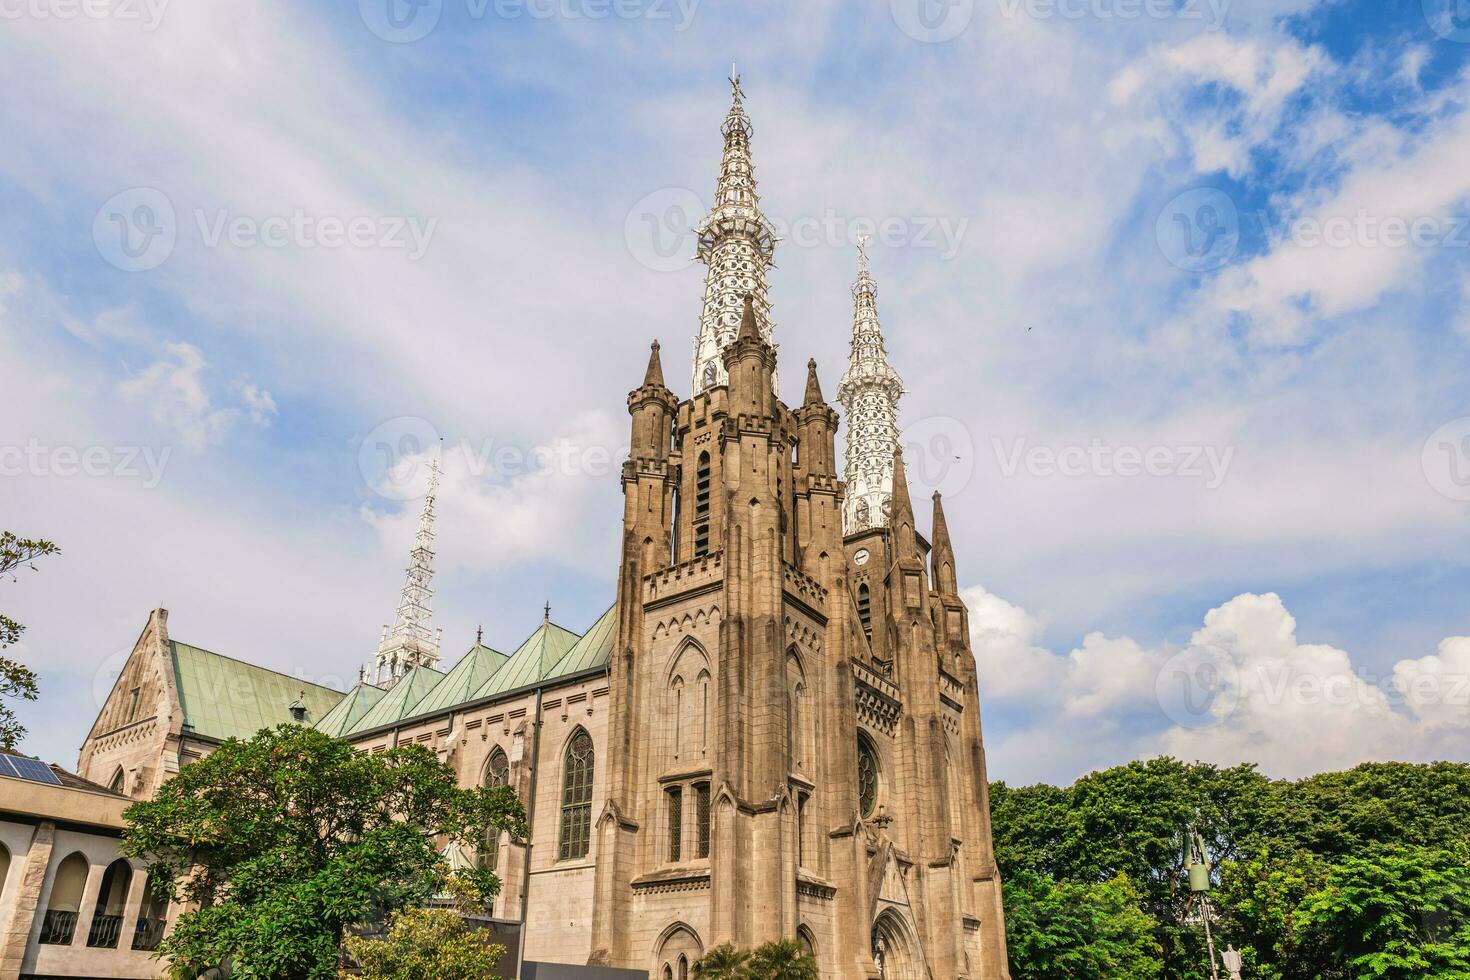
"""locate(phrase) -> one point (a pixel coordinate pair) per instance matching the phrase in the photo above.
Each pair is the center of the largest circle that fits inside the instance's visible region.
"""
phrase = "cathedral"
(773, 732)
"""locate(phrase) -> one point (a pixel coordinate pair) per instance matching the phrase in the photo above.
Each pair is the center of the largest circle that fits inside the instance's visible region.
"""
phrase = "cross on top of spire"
(862, 244)
(737, 94)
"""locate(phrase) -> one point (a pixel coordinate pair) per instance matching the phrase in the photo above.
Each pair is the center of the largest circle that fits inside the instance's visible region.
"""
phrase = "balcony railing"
(104, 932)
(57, 927)
(149, 934)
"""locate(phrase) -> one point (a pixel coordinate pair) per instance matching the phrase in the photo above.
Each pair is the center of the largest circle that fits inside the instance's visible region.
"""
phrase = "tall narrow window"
(801, 802)
(683, 967)
(867, 779)
(576, 798)
(701, 798)
(133, 698)
(497, 774)
(865, 609)
(676, 823)
(701, 506)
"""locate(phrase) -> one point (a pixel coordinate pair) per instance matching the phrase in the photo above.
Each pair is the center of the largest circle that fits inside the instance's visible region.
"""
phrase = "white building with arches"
(70, 904)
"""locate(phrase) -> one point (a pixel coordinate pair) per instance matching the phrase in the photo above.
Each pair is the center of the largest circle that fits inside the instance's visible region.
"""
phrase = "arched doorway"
(894, 950)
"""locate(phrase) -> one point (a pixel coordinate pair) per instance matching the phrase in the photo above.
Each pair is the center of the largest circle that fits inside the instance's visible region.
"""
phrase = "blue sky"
(1112, 226)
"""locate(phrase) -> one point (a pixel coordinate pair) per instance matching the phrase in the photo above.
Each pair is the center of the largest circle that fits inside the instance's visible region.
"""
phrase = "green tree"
(287, 838)
(427, 944)
(1401, 914)
(17, 681)
(784, 959)
(1068, 931)
(722, 963)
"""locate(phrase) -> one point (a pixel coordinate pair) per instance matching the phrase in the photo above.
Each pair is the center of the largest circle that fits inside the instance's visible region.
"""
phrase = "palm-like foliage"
(782, 960)
(722, 963)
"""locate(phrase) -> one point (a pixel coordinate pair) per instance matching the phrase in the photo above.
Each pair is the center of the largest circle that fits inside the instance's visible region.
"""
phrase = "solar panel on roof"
(30, 769)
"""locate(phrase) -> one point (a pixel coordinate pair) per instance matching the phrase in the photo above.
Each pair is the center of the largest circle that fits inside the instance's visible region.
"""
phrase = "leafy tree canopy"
(16, 679)
(285, 839)
(427, 944)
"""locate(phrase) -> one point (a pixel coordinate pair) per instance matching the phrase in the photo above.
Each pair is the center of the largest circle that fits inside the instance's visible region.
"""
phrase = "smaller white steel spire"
(410, 642)
(738, 244)
(869, 395)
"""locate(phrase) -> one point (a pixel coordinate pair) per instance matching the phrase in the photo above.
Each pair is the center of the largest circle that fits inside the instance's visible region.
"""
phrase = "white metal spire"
(737, 243)
(869, 394)
(410, 642)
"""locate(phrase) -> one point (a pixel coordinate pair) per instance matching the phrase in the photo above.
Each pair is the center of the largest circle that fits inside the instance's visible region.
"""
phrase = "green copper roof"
(343, 718)
(400, 700)
(461, 683)
(532, 661)
(224, 698)
(592, 650)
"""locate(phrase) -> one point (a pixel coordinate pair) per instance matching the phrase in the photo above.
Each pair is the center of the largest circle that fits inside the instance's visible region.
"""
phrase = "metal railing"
(104, 932)
(149, 934)
(57, 927)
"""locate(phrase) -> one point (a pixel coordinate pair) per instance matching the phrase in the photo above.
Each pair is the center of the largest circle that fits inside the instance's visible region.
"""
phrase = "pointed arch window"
(497, 774)
(576, 798)
(867, 778)
(701, 505)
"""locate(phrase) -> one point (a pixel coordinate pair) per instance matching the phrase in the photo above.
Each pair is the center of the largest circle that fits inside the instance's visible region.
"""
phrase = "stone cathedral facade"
(773, 733)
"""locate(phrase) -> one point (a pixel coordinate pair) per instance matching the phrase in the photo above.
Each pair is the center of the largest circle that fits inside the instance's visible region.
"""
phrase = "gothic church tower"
(793, 738)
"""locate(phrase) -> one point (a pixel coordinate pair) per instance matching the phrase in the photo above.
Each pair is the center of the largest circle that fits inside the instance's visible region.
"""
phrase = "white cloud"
(1244, 689)
(172, 389)
(258, 402)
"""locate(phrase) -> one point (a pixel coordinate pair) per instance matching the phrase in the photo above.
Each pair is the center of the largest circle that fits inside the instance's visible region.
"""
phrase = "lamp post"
(1199, 888)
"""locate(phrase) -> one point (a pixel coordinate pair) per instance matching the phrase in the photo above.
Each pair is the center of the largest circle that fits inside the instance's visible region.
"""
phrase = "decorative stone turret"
(869, 394)
(738, 244)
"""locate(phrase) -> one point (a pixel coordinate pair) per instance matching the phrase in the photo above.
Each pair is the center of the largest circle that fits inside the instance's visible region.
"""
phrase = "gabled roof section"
(592, 650)
(532, 661)
(224, 698)
(400, 700)
(467, 677)
(350, 710)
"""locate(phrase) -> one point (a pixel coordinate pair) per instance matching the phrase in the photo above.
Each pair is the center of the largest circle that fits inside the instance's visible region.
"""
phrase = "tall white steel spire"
(409, 642)
(737, 243)
(869, 394)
